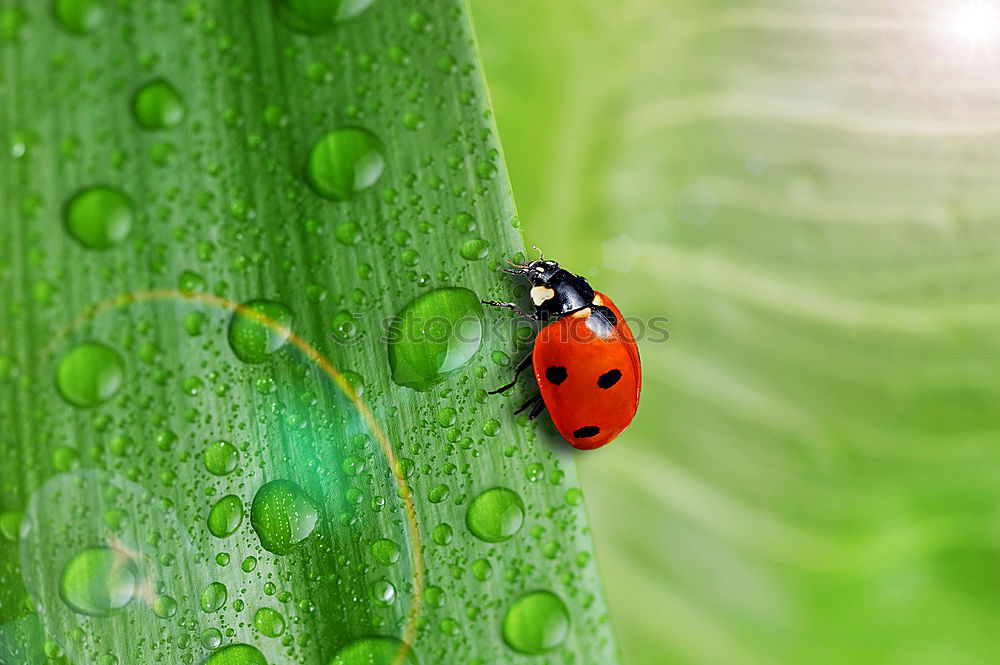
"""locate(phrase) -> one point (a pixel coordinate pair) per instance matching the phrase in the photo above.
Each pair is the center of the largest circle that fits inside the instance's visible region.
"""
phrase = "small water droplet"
(283, 516)
(475, 249)
(79, 16)
(495, 515)
(214, 597)
(90, 374)
(344, 162)
(226, 516)
(98, 582)
(221, 458)
(385, 551)
(438, 493)
(376, 651)
(99, 217)
(211, 638)
(383, 592)
(253, 339)
(164, 607)
(434, 337)
(158, 105)
(536, 622)
(269, 622)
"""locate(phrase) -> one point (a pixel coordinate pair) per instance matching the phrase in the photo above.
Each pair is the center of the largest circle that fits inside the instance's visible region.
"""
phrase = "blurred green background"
(807, 188)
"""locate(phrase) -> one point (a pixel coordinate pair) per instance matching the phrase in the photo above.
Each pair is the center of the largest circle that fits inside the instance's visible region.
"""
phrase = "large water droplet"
(434, 337)
(79, 16)
(313, 16)
(376, 651)
(98, 582)
(99, 217)
(158, 105)
(90, 374)
(253, 339)
(344, 162)
(237, 654)
(283, 516)
(536, 622)
(495, 515)
(226, 516)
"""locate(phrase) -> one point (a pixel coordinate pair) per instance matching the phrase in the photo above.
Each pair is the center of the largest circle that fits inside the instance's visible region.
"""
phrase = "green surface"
(808, 190)
(237, 505)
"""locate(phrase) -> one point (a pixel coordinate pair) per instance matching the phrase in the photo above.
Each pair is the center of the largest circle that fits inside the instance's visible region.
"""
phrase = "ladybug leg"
(536, 400)
(521, 366)
(512, 307)
(539, 407)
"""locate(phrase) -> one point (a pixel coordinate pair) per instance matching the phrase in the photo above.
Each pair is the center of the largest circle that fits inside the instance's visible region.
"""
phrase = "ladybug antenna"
(520, 268)
(540, 255)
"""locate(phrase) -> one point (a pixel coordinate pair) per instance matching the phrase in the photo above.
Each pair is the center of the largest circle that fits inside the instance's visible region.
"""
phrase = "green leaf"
(211, 215)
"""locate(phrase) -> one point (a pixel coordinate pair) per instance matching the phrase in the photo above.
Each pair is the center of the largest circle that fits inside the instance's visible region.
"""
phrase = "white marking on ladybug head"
(585, 312)
(540, 294)
(598, 300)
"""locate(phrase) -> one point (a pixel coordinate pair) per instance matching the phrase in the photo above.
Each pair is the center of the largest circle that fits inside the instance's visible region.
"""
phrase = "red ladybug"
(586, 360)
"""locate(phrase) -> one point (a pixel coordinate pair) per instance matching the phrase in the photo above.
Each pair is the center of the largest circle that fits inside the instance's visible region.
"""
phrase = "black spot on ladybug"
(609, 378)
(587, 432)
(556, 374)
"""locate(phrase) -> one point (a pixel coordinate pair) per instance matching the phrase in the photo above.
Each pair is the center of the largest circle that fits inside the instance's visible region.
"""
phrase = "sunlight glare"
(975, 22)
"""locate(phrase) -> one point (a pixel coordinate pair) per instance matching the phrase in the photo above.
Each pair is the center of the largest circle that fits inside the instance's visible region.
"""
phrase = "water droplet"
(314, 16)
(269, 622)
(98, 582)
(90, 374)
(435, 336)
(164, 607)
(211, 638)
(438, 493)
(253, 339)
(442, 534)
(536, 622)
(221, 458)
(10, 524)
(158, 105)
(574, 496)
(383, 592)
(491, 427)
(482, 569)
(237, 654)
(376, 651)
(283, 516)
(475, 249)
(495, 515)
(79, 16)
(99, 217)
(344, 162)
(385, 551)
(214, 597)
(226, 516)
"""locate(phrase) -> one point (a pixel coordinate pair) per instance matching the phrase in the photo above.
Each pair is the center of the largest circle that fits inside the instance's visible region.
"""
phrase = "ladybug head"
(539, 273)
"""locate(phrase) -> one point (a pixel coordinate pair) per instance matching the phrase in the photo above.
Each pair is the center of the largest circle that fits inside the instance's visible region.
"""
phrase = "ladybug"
(585, 359)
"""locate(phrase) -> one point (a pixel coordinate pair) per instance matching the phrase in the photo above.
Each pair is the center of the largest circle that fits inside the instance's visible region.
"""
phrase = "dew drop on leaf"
(495, 515)
(344, 162)
(90, 374)
(256, 334)
(434, 337)
(283, 516)
(99, 217)
(226, 516)
(237, 654)
(79, 16)
(221, 458)
(314, 16)
(376, 651)
(98, 581)
(158, 105)
(536, 622)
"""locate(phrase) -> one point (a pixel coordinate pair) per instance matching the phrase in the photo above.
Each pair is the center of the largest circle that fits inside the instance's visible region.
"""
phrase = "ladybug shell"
(590, 383)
